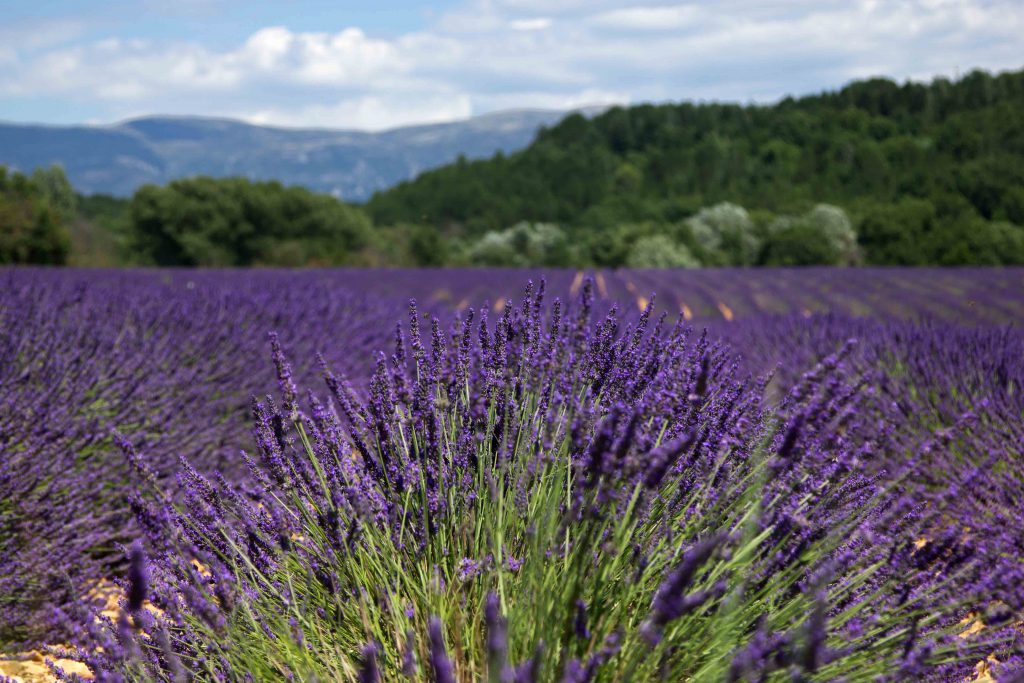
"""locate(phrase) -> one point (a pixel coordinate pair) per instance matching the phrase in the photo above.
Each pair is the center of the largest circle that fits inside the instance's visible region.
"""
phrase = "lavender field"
(507, 475)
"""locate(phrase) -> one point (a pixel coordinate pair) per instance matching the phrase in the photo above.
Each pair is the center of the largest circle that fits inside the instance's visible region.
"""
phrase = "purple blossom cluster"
(171, 361)
(568, 488)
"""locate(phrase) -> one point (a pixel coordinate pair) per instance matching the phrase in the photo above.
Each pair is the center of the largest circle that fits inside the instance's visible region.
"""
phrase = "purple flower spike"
(138, 577)
(442, 667)
(368, 670)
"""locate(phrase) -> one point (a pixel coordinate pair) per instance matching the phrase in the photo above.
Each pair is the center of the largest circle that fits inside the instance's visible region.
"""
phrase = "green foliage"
(925, 174)
(32, 227)
(427, 246)
(798, 243)
(524, 244)
(54, 186)
(893, 234)
(822, 236)
(659, 251)
(234, 222)
(979, 242)
(876, 148)
(725, 235)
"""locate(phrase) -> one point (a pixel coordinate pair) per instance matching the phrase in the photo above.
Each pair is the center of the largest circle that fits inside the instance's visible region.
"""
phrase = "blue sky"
(373, 64)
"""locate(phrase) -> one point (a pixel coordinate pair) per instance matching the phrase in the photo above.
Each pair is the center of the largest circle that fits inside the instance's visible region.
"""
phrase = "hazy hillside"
(348, 164)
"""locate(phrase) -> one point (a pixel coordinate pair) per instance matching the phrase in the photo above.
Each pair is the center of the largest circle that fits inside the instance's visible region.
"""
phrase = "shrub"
(725, 234)
(822, 236)
(660, 251)
(524, 244)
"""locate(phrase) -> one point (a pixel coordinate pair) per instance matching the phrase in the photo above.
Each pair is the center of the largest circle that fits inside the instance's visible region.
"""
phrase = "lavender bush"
(566, 494)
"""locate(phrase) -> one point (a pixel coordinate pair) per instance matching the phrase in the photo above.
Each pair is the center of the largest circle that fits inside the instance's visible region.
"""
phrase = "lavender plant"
(560, 495)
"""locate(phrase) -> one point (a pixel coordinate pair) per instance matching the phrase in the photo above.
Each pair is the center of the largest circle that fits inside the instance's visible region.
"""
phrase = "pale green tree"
(523, 244)
(659, 251)
(726, 235)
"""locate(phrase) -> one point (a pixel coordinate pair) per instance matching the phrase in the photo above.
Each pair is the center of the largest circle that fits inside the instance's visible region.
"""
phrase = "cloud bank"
(487, 55)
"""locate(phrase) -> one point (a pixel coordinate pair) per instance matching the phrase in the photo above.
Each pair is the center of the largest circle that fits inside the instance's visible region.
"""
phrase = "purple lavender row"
(568, 493)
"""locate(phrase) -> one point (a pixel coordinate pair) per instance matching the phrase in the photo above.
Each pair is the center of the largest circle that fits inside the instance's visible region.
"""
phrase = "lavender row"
(170, 360)
(562, 493)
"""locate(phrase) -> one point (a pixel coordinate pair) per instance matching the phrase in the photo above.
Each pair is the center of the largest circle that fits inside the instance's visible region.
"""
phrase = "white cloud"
(535, 24)
(649, 18)
(545, 100)
(493, 54)
(319, 58)
(372, 112)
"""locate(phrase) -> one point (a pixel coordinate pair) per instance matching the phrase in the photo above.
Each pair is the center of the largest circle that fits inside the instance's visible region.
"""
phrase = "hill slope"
(348, 164)
(941, 151)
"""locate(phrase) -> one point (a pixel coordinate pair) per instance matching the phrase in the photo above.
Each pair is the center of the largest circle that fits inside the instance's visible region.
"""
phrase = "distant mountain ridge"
(351, 165)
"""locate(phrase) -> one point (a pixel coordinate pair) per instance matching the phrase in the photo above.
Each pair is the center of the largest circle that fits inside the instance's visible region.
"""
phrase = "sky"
(377, 64)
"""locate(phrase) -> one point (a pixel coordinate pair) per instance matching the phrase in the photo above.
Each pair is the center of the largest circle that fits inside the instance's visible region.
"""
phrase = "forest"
(877, 173)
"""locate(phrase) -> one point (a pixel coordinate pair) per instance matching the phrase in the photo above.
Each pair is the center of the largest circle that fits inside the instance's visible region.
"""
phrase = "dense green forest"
(926, 173)
(876, 173)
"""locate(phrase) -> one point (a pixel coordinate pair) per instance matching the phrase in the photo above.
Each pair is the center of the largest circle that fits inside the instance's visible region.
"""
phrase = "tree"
(896, 234)
(32, 230)
(956, 145)
(822, 236)
(798, 243)
(978, 242)
(725, 235)
(659, 251)
(427, 246)
(55, 187)
(524, 244)
(234, 222)
(835, 227)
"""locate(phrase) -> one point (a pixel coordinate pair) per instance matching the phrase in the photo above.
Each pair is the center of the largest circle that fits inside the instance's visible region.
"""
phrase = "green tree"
(55, 187)
(32, 230)
(822, 236)
(427, 246)
(725, 235)
(978, 242)
(524, 244)
(798, 243)
(897, 234)
(957, 145)
(234, 222)
(660, 251)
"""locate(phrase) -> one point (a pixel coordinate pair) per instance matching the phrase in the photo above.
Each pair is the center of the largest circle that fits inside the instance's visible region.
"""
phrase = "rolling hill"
(351, 165)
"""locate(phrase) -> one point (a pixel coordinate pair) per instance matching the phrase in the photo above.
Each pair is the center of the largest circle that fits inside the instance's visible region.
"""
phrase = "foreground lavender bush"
(557, 498)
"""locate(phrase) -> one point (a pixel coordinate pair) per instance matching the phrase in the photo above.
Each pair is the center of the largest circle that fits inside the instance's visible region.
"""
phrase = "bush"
(659, 251)
(725, 235)
(234, 222)
(978, 242)
(524, 244)
(822, 236)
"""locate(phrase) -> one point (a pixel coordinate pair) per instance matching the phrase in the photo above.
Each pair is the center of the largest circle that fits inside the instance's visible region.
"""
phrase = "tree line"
(927, 173)
(875, 173)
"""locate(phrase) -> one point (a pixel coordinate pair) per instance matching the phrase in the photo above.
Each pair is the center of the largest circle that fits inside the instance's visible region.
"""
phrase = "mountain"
(351, 165)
